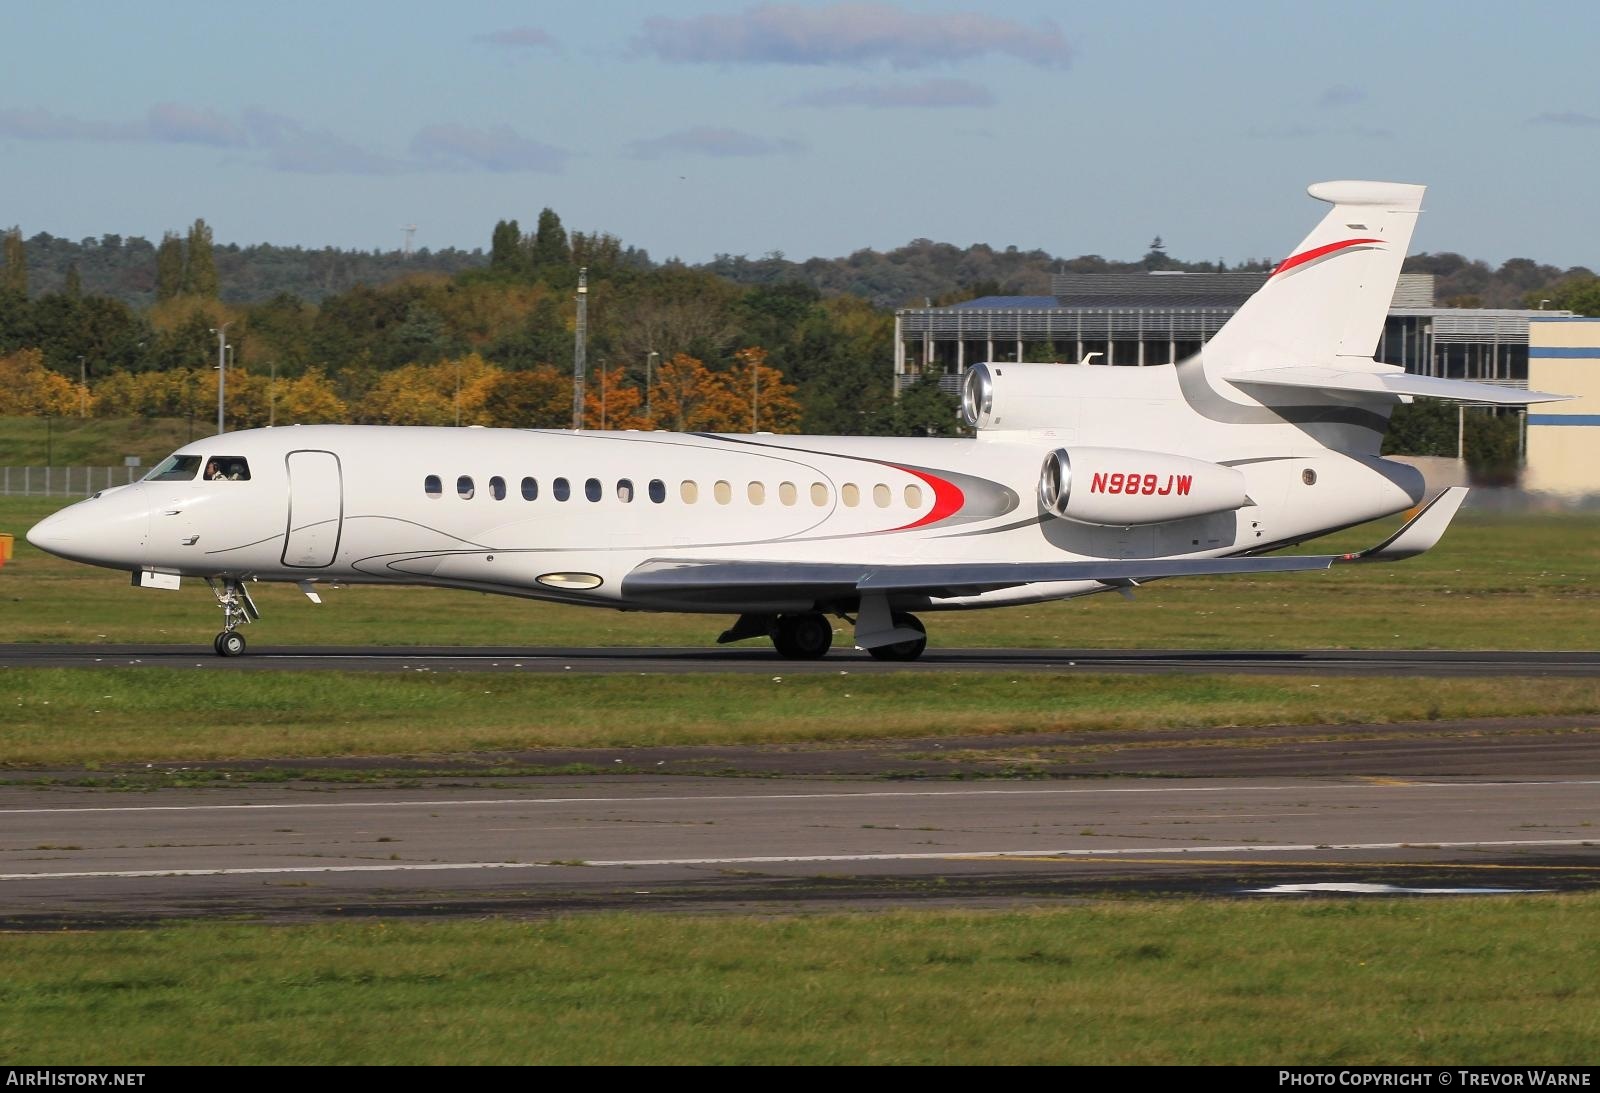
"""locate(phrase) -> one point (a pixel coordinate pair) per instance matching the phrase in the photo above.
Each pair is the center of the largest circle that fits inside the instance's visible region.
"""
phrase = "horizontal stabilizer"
(1395, 385)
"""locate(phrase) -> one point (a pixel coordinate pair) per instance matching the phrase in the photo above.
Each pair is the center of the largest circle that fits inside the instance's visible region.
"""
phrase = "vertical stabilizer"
(1326, 302)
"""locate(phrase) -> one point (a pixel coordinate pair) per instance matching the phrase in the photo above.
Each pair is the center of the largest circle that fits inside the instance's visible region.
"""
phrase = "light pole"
(272, 395)
(222, 372)
(83, 387)
(649, 369)
(755, 389)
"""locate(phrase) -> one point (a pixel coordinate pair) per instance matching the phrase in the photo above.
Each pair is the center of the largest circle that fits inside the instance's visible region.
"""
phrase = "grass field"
(50, 717)
(1526, 582)
(1394, 982)
(94, 442)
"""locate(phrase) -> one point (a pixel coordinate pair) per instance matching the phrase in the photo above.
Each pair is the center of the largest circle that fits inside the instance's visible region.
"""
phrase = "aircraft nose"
(49, 534)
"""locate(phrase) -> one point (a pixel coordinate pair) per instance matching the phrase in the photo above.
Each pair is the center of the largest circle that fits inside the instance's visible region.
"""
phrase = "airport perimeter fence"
(65, 481)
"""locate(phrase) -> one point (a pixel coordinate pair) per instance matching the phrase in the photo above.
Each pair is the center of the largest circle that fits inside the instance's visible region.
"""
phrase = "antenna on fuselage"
(580, 348)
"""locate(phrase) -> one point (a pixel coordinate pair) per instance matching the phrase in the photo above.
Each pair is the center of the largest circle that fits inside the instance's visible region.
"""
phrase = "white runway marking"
(864, 795)
(792, 859)
(1354, 888)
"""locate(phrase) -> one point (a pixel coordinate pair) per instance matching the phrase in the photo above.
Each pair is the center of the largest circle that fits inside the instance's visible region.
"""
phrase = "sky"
(702, 127)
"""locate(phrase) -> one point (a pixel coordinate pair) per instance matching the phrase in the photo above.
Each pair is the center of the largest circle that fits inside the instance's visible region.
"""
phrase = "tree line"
(377, 351)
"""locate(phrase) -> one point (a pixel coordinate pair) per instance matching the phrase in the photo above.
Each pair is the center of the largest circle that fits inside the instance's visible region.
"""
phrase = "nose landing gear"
(237, 608)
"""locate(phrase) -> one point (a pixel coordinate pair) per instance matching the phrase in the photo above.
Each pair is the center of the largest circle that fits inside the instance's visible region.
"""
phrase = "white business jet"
(1080, 479)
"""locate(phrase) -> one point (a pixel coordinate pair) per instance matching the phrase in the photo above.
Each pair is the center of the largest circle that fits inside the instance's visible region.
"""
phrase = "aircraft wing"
(1395, 384)
(708, 581)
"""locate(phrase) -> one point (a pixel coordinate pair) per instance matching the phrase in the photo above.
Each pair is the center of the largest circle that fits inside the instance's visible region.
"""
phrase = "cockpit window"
(175, 468)
(226, 468)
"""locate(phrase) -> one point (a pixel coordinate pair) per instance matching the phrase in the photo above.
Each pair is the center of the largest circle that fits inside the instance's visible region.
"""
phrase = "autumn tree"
(14, 279)
(611, 402)
(200, 265)
(534, 398)
(684, 394)
(29, 389)
(753, 397)
(309, 398)
(451, 392)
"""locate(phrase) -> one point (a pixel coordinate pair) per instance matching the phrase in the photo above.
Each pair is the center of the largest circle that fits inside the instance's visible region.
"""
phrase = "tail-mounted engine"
(1018, 396)
(1121, 487)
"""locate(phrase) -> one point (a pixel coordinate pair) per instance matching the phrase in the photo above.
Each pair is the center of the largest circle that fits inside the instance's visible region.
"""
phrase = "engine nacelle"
(1122, 487)
(1018, 396)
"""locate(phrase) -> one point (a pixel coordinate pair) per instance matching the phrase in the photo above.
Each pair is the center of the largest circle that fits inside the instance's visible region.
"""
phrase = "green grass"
(1529, 582)
(82, 716)
(1390, 982)
(94, 442)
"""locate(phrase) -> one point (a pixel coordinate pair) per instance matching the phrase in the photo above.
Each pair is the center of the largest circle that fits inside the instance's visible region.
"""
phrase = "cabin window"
(432, 486)
(226, 468)
(561, 489)
(787, 493)
(689, 492)
(530, 489)
(625, 490)
(723, 493)
(658, 490)
(175, 468)
(757, 492)
(880, 495)
(851, 495)
(913, 497)
(591, 489)
(464, 487)
(819, 494)
(497, 488)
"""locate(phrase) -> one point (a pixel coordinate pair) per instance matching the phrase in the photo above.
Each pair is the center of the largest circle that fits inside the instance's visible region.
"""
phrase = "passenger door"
(316, 510)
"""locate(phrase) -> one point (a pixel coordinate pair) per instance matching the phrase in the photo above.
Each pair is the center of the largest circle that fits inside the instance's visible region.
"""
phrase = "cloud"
(178, 124)
(1317, 132)
(500, 149)
(936, 94)
(1566, 117)
(848, 34)
(40, 124)
(285, 144)
(293, 148)
(1341, 95)
(704, 140)
(520, 38)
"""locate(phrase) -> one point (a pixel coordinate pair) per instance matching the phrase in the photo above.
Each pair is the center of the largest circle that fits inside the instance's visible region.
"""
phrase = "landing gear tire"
(903, 650)
(229, 643)
(803, 637)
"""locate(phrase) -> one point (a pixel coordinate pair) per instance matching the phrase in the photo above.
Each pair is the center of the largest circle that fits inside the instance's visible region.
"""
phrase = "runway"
(452, 847)
(759, 658)
(986, 821)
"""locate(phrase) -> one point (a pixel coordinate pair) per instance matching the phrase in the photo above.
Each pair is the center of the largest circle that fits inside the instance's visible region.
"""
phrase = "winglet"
(1420, 533)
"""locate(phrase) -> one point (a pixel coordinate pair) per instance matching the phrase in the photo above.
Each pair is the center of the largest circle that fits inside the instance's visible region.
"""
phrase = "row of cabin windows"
(688, 491)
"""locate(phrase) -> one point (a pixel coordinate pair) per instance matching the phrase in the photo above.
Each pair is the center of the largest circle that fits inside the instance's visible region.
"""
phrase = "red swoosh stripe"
(1317, 252)
(947, 498)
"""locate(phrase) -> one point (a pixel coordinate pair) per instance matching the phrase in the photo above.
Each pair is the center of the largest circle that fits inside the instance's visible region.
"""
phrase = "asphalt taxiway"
(834, 827)
(1268, 813)
(761, 659)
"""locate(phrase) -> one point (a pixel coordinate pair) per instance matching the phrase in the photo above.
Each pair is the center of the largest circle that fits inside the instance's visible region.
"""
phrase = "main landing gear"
(237, 609)
(803, 637)
(808, 635)
(909, 649)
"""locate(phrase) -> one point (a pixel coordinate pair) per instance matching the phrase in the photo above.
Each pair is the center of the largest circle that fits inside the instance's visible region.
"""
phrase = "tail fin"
(1325, 304)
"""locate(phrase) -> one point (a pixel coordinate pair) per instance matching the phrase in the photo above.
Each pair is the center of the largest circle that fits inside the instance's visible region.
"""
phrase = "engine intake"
(1123, 487)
